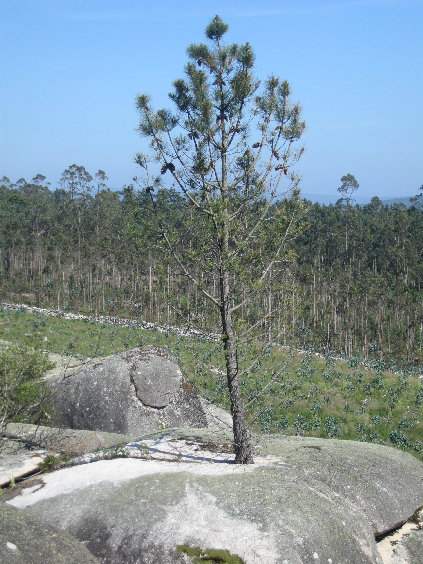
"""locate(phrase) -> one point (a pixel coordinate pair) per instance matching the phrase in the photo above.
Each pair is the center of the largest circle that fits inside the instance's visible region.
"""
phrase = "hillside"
(350, 278)
(286, 391)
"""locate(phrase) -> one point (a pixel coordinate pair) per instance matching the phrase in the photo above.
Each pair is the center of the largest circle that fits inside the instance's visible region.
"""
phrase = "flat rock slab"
(21, 455)
(63, 364)
(25, 539)
(17, 462)
(305, 500)
(67, 441)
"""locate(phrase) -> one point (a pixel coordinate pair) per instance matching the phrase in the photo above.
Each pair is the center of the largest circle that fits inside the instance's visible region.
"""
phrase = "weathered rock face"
(25, 446)
(135, 392)
(305, 500)
(17, 462)
(410, 550)
(25, 539)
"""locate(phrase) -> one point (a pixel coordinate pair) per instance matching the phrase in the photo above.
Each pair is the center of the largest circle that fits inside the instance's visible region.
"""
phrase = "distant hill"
(327, 199)
(406, 200)
(324, 199)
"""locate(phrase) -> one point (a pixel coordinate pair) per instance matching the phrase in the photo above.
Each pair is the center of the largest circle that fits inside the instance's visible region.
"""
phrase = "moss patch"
(208, 555)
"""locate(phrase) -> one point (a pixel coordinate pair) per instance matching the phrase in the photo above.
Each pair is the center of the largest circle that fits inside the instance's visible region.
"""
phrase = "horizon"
(71, 72)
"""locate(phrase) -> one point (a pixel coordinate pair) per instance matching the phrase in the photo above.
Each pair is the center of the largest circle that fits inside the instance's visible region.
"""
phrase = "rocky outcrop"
(24, 447)
(410, 549)
(25, 539)
(304, 500)
(134, 392)
(17, 462)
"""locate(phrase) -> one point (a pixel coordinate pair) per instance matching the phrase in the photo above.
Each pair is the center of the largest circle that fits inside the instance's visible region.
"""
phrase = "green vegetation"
(208, 555)
(50, 463)
(24, 397)
(98, 252)
(118, 451)
(285, 391)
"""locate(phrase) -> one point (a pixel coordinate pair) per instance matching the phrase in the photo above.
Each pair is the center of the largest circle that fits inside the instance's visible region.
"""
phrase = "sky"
(70, 71)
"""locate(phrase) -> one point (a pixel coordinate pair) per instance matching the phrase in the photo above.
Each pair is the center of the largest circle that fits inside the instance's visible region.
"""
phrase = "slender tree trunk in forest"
(150, 290)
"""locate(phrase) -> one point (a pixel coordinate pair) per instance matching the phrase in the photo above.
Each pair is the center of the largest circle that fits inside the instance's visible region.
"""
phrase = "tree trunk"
(243, 452)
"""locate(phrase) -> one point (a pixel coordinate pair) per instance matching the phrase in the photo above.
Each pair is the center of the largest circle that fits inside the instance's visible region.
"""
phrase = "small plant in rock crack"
(143, 450)
(417, 517)
(118, 451)
(50, 462)
(208, 555)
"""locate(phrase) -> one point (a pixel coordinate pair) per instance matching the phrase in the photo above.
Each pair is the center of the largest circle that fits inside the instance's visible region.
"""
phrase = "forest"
(351, 278)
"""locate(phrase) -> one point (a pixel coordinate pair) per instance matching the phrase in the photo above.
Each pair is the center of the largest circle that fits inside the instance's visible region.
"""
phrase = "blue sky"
(70, 71)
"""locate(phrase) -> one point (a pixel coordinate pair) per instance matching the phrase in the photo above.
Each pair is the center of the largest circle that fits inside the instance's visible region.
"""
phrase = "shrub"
(282, 424)
(399, 439)
(419, 397)
(266, 419)
(300, 424)
(24, 396)
(50, 463)
(332, 429)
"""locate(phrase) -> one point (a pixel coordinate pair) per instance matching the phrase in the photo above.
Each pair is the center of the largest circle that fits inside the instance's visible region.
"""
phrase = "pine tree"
(229, 181)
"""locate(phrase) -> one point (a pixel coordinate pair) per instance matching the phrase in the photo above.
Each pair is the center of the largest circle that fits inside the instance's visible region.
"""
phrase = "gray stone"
(370, 476)
(25, 539)
(24, 447)
(72, 442)
(218, 419)
(158, 379)
(134, 392)
(17, 462)
(63, 364)
(411, 549)
(305, 500)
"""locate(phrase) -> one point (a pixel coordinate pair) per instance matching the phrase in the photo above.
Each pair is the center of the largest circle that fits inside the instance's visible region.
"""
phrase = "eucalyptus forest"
(351, 282)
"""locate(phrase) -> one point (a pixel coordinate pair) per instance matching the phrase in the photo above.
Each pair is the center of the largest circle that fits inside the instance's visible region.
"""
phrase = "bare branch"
(269, 266)
(180, 262)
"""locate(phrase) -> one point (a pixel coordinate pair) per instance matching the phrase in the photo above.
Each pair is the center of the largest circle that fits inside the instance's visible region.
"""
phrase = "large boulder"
(134, 392)
(304, 500)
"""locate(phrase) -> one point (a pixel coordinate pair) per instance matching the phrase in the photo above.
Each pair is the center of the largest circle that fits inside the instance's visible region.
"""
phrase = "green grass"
(285, 391)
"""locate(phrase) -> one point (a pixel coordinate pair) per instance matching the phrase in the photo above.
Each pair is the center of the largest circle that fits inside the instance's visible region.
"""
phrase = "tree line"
(351, 278)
